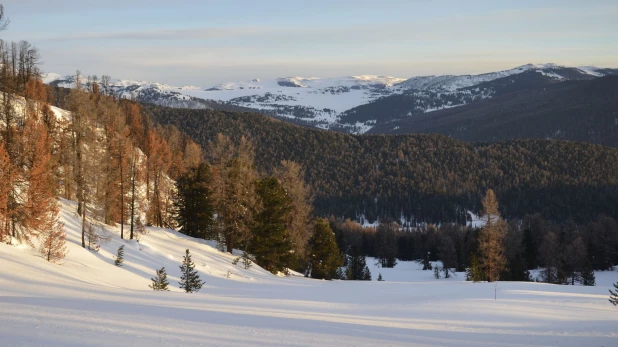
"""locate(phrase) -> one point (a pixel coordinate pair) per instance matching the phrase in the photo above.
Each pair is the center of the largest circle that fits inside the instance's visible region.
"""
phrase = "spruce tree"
(189, 278)
(380, 279)
(160, 281)
(119, 256)
(324, 256)
(271, 244)
(386, 244)
(426, 262)
(587, 277)
(194, 203)
(357, 269)
(474, 272)
(613, 295)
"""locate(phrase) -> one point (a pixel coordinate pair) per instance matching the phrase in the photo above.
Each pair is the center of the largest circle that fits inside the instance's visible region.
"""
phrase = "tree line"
(566, 252)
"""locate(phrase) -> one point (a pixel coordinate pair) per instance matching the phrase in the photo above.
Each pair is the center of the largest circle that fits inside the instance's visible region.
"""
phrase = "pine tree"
(613, 296)
(426, 262)
(448, 255)
(234, 181)
(491, 246)
(549, 255)
(587, 277)
(271, 244)
(474, 272)
(160, 281)
(357, 269)
(119, 256)
(386, 244)
(247, 260)
(194, 203)
(189, 278)
(380, 279)
(324, 256)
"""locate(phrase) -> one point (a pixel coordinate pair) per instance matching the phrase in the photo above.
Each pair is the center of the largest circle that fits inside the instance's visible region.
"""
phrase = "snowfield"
(86, 300)
(322, 102)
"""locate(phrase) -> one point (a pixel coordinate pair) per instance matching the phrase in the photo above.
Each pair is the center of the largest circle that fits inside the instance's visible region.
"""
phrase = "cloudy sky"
(183, 42)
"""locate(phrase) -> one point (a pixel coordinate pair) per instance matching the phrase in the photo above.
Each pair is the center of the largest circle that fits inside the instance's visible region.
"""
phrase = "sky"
(202, 43)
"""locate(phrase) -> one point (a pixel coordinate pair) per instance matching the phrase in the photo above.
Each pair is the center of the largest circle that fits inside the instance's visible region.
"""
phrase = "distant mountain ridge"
(351, 104)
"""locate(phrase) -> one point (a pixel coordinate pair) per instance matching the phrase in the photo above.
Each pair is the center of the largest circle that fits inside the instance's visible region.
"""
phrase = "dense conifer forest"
(423, 178)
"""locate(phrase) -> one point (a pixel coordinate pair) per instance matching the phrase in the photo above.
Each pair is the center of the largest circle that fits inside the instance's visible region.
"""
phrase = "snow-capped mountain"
(350, 104)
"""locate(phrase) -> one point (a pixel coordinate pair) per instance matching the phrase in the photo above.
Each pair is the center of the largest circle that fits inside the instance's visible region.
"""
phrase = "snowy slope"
(88, 301)
(321, 102)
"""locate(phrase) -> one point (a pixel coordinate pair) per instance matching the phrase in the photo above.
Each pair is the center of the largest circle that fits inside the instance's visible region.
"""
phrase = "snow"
(323, 100)
(476, 221)
(551, 75)
(86, 300)
(590, 70)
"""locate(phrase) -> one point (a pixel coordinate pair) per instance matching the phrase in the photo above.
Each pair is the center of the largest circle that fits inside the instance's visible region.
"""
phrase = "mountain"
(420, 178)
(352, 104)
(578, 110)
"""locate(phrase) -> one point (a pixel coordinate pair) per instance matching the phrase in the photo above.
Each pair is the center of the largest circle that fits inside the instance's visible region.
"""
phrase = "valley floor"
(88, 301)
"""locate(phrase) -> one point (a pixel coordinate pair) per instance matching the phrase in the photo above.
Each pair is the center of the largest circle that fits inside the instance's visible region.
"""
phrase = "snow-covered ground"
(88, 301)
(324, 101)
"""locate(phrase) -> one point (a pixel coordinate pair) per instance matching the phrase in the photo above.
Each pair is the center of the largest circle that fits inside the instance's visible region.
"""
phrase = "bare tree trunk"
(84, 225)
(133, 173)
(122, 198)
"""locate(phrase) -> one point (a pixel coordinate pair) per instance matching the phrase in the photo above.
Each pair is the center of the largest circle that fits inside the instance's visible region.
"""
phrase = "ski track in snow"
(86, 300)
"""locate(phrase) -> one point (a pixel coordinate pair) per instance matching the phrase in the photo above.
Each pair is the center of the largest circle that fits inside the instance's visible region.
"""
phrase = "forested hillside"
(423, 178)
(585, 111)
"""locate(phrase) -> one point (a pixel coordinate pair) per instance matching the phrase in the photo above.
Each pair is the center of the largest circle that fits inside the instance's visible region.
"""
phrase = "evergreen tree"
(194, 203)
(574, 258)
(189, 278)
(386, 244)
(587, 277)
(613, 296)
(426, 262)
(119, 256)
(324, 256)
(271, 244)
(448, 255)
(549, 255)
(247, 260)
(357, 269)
(474, 272)
(380, 279)
(234, 190)
(160, 282)
(436, 272)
